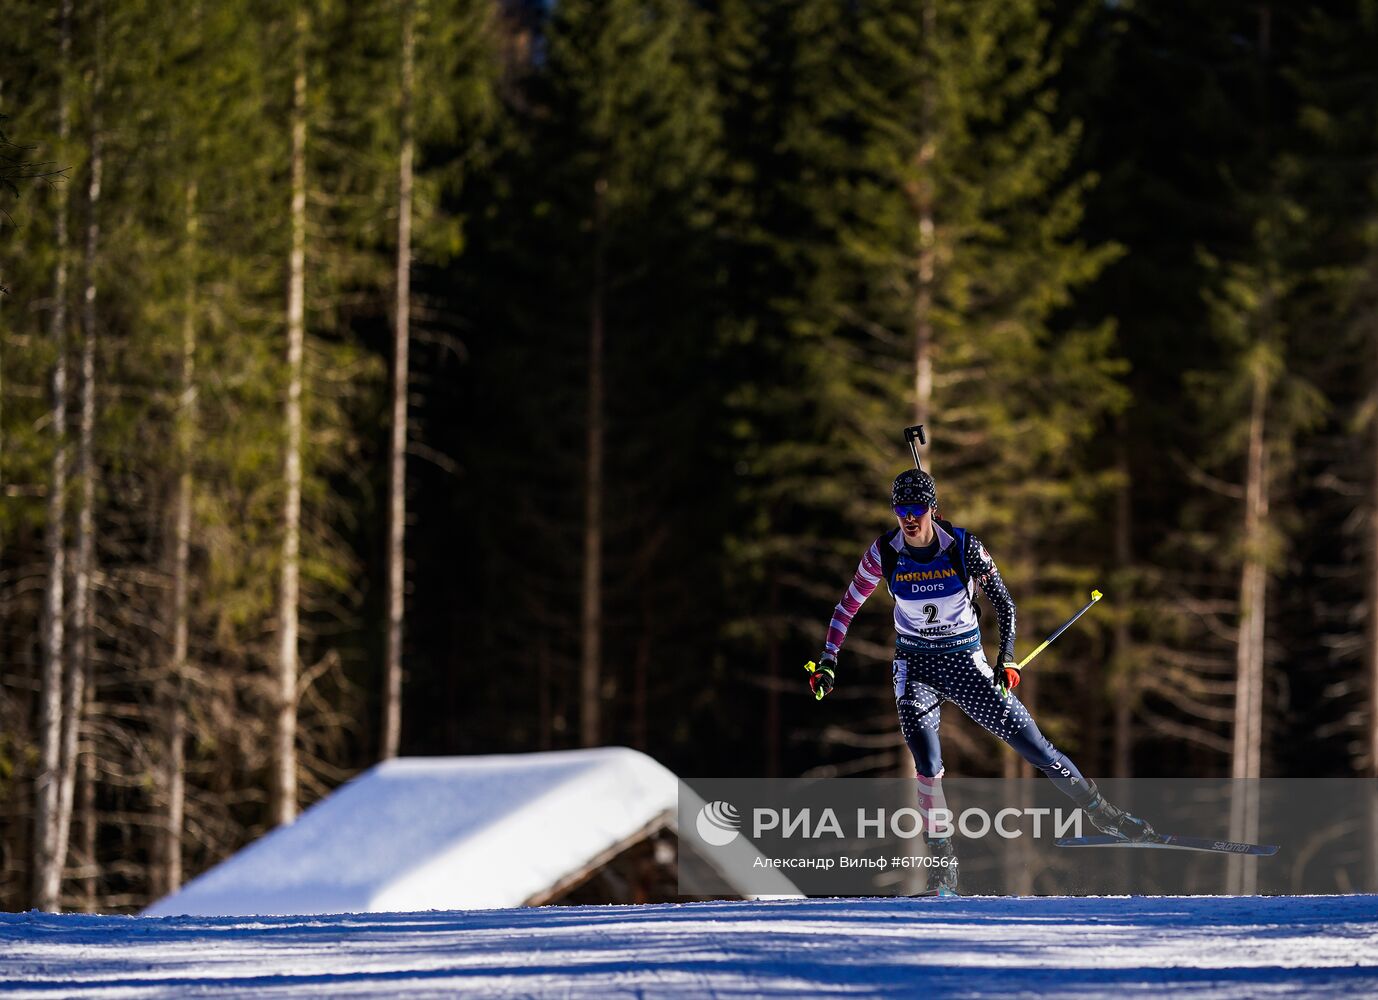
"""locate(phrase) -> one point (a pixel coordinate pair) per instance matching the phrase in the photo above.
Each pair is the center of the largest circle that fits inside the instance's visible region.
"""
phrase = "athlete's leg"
(971, 685)
(920, 709)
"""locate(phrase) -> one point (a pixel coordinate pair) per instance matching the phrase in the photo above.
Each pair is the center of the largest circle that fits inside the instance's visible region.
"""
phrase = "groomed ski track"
(1200, 947)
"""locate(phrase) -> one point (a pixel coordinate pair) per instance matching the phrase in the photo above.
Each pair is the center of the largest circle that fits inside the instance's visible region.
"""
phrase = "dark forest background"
(673, 278)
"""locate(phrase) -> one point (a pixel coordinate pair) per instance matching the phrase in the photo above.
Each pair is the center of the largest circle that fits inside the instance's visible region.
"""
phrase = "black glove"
(822, 676)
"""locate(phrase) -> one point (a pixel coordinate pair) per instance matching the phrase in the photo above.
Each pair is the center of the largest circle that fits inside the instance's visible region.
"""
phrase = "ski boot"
(942, 876)
(1116, 822)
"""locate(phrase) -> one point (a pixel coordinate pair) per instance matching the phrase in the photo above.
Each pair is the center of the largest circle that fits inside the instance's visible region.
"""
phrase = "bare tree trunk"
(80, 664)
(547, 729)
(284, 803)
(397, 507)
(641, 667)
(1122, 685)
(174, 761)
(591, 667)
(1371, 646)
(923, 202)
(47, 864)
(168, 871)
(772, 726)
(86, 774)
(1247, 752)
(79, 652)
(1246, 766)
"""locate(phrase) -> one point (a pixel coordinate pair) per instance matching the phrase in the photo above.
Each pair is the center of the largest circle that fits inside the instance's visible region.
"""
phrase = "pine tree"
(1336, 187)
(941, 241)
(446, 73)
(50, 849)
(1175, 139)
(630, 152)
(1253, 400)
(397, 474)
(780, 89)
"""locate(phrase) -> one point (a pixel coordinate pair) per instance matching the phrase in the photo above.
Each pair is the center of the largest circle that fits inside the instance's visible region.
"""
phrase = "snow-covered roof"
(441, 833)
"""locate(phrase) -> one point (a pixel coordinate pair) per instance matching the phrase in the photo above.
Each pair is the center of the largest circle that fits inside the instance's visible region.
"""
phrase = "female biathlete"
(931, 567)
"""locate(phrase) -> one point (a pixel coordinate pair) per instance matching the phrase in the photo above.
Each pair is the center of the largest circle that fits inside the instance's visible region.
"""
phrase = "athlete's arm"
(868, 573)
(984, 571)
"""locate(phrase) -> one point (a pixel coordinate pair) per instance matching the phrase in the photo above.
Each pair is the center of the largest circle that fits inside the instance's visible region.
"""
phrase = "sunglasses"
(911, 510)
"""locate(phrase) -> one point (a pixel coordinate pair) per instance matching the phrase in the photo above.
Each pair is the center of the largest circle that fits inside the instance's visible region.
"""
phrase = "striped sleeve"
(864, 581)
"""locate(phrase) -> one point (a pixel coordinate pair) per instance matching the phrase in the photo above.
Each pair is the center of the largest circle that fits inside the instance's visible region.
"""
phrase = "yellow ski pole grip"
(809, 669)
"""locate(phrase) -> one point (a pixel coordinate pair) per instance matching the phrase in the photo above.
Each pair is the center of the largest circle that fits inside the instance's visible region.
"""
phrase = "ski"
(1173, 841)
(940, 893)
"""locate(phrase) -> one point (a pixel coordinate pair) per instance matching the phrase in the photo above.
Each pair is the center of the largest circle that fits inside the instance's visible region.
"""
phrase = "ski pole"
(1096, 595)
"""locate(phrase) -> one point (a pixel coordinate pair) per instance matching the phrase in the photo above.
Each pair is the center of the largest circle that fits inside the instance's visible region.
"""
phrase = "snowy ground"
(1067, 947)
